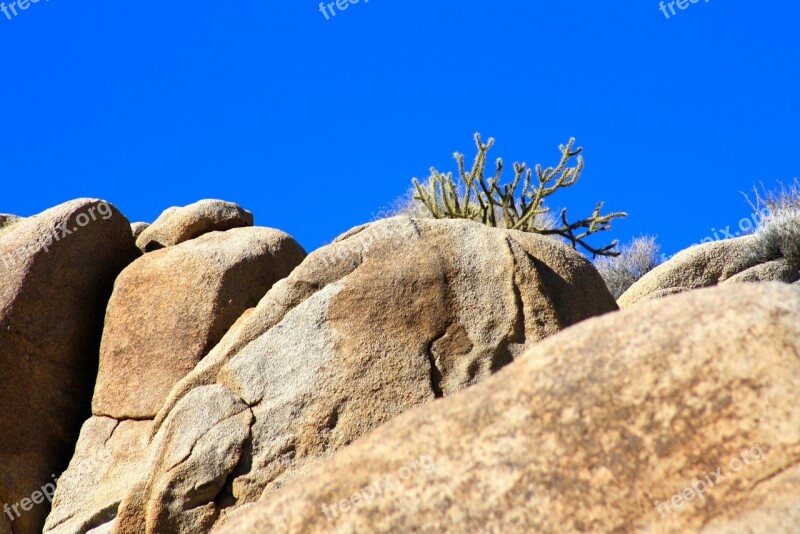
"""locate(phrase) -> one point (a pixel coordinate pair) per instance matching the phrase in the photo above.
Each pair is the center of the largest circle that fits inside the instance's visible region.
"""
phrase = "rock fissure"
(226, 498)
(436, 375)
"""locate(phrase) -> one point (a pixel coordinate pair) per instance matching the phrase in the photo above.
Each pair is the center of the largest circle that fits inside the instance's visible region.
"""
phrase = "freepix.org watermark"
(14, 8)
(379, 488)
(703, 484)
(37, 497)
(669, 7)
(330, 9)
(14, 257)
(747, 225)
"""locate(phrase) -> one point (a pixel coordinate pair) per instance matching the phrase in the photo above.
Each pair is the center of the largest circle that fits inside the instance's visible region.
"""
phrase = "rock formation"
(390, 316)
(57, 270)
(677, 415)
(719, 262)
(200, 374)
(168, 309)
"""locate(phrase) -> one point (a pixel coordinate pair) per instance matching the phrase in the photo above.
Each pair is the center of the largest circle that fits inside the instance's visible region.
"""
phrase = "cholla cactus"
(502, 205)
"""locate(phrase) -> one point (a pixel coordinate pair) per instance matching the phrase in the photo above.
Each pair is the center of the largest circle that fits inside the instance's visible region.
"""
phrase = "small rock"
(177, 225)
(718, 262)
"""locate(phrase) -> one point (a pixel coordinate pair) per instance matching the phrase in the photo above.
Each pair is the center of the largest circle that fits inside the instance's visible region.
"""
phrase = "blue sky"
(315, 124)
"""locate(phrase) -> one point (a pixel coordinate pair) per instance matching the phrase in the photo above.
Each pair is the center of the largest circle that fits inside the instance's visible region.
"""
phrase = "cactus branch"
(486, 201)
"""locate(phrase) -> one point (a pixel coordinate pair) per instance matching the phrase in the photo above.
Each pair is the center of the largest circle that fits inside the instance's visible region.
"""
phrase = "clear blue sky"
(316, 124)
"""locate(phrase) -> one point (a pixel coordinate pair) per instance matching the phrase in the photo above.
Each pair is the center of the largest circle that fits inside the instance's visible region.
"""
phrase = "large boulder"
(389, 316)
(168, 309)
(678, 415)
(176, 225)
(718, 262)
(58, 269)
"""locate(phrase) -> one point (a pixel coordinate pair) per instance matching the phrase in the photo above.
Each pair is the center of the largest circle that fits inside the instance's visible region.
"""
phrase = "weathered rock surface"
(177, 225)
(109, 457)
(592, 430)
(772, 271)
(158, 326)
(52, 299)
(389, 316)
(706, 265)
(170, 307)
(171, 501)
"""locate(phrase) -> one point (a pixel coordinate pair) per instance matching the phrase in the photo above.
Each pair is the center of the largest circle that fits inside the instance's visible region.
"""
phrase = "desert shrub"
(778, 232)
(405, 205)
(506, 205)
(778, 236)
(781, 198)
(635, 260)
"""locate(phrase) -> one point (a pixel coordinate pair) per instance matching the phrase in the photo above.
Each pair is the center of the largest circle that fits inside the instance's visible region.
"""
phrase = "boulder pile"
(203, 374)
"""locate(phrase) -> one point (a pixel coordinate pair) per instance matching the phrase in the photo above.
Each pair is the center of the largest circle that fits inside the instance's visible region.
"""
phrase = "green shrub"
(508, 206)
(635, 260)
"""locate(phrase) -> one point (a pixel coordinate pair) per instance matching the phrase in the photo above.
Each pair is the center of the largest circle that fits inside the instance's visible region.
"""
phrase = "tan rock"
(109, 459)
(592, 430)
(390, 316)
(177, 225)
(52, 298)
(211, 445)
(772, 271)
(732, 260)
(171, 306)
(168, 309)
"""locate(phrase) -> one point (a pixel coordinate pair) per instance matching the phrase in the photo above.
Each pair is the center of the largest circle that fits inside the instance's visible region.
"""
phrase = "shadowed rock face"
(168, 309)
(719, 262)
(389, 316)
(177, 225)
(53, 294)
(592, 430)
